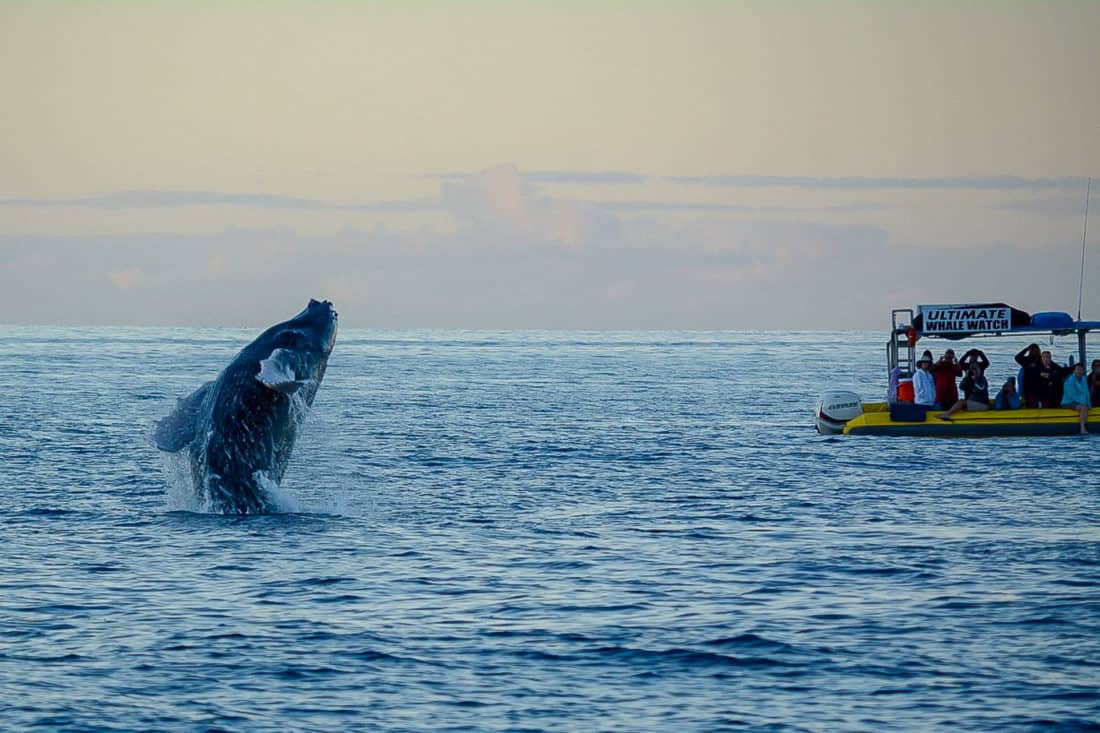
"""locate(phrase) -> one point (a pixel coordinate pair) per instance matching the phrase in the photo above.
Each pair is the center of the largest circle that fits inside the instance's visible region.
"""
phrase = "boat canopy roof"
(959, 321)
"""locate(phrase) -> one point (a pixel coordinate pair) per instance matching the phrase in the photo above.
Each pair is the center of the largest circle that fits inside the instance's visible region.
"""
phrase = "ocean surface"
(538, 531)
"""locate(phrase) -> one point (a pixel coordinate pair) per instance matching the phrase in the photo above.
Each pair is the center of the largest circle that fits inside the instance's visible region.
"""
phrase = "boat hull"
(875, 420)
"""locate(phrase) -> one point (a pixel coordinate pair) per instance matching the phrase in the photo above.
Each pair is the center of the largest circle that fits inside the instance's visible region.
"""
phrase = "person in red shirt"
(945, 372)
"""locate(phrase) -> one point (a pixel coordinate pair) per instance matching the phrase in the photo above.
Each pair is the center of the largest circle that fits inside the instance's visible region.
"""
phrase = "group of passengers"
(1042, 383)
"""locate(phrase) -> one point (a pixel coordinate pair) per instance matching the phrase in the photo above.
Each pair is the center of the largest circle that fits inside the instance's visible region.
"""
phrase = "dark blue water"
(538, 532)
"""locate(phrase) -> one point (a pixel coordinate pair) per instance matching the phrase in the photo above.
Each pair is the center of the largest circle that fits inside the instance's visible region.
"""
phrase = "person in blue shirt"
(1008, 398)
(1075, 394)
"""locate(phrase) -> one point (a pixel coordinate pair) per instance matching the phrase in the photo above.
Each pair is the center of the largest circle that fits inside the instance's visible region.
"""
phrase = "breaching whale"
(239, 429)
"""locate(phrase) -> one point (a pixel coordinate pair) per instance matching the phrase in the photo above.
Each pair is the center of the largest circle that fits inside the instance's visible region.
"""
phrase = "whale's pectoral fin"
(177, 430)
(277, 372)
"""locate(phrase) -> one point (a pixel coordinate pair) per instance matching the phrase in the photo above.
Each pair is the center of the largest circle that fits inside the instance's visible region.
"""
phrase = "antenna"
(1084, 235)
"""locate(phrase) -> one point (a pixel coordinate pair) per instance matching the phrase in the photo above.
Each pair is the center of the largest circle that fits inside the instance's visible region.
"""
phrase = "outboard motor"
(835, 409)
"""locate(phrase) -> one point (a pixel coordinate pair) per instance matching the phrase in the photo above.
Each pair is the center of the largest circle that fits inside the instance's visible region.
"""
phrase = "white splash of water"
(310, 483)
(181, 495)
(299, 410)
(284, 502)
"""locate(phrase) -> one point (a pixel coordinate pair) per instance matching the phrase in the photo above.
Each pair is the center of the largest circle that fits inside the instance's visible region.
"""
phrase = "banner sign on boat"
(945, 320)
(967, 319)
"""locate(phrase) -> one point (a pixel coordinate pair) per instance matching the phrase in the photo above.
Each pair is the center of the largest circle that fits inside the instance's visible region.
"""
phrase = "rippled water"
(541, 532)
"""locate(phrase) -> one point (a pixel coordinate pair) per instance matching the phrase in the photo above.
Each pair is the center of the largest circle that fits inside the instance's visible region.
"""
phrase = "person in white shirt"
(924, 384)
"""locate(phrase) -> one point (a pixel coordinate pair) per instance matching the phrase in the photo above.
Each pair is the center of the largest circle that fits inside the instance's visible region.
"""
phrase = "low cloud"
(875, 183)
(516, 255)
(504, 194)
(131, 277)
(216, 266)
(502, 203)
(1055, 206)
(707, 272)
(719, 208)
(615, 178)
(176, 199)
(827, 183)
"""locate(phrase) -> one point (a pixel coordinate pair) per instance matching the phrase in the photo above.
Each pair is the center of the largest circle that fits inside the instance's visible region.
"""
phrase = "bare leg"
(1083, 415)
(960, 405)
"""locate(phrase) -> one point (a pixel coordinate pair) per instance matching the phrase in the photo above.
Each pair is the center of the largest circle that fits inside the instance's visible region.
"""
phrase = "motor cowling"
(834, 409)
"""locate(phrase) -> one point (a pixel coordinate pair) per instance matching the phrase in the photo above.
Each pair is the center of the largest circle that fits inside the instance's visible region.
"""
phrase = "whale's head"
(294, 353)
(318, 323)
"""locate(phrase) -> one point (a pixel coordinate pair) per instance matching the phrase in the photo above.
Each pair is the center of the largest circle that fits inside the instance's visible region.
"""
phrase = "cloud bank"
(174, 199)
(518, 254)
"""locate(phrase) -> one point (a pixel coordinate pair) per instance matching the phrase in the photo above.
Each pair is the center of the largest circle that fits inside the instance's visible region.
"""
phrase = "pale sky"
(545, 165)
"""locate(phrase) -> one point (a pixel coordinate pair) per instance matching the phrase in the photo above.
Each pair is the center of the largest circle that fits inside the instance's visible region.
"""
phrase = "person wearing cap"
(924, 384)
(946, 371)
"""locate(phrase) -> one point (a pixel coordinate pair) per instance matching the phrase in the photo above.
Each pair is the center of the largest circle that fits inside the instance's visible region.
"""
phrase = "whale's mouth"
(328, 336)
(321, 317)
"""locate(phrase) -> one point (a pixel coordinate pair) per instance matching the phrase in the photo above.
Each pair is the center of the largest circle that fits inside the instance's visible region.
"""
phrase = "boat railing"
(901, 350)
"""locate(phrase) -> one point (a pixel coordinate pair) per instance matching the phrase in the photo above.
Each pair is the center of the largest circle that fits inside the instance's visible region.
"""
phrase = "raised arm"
(981, 358)
(974, 356)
